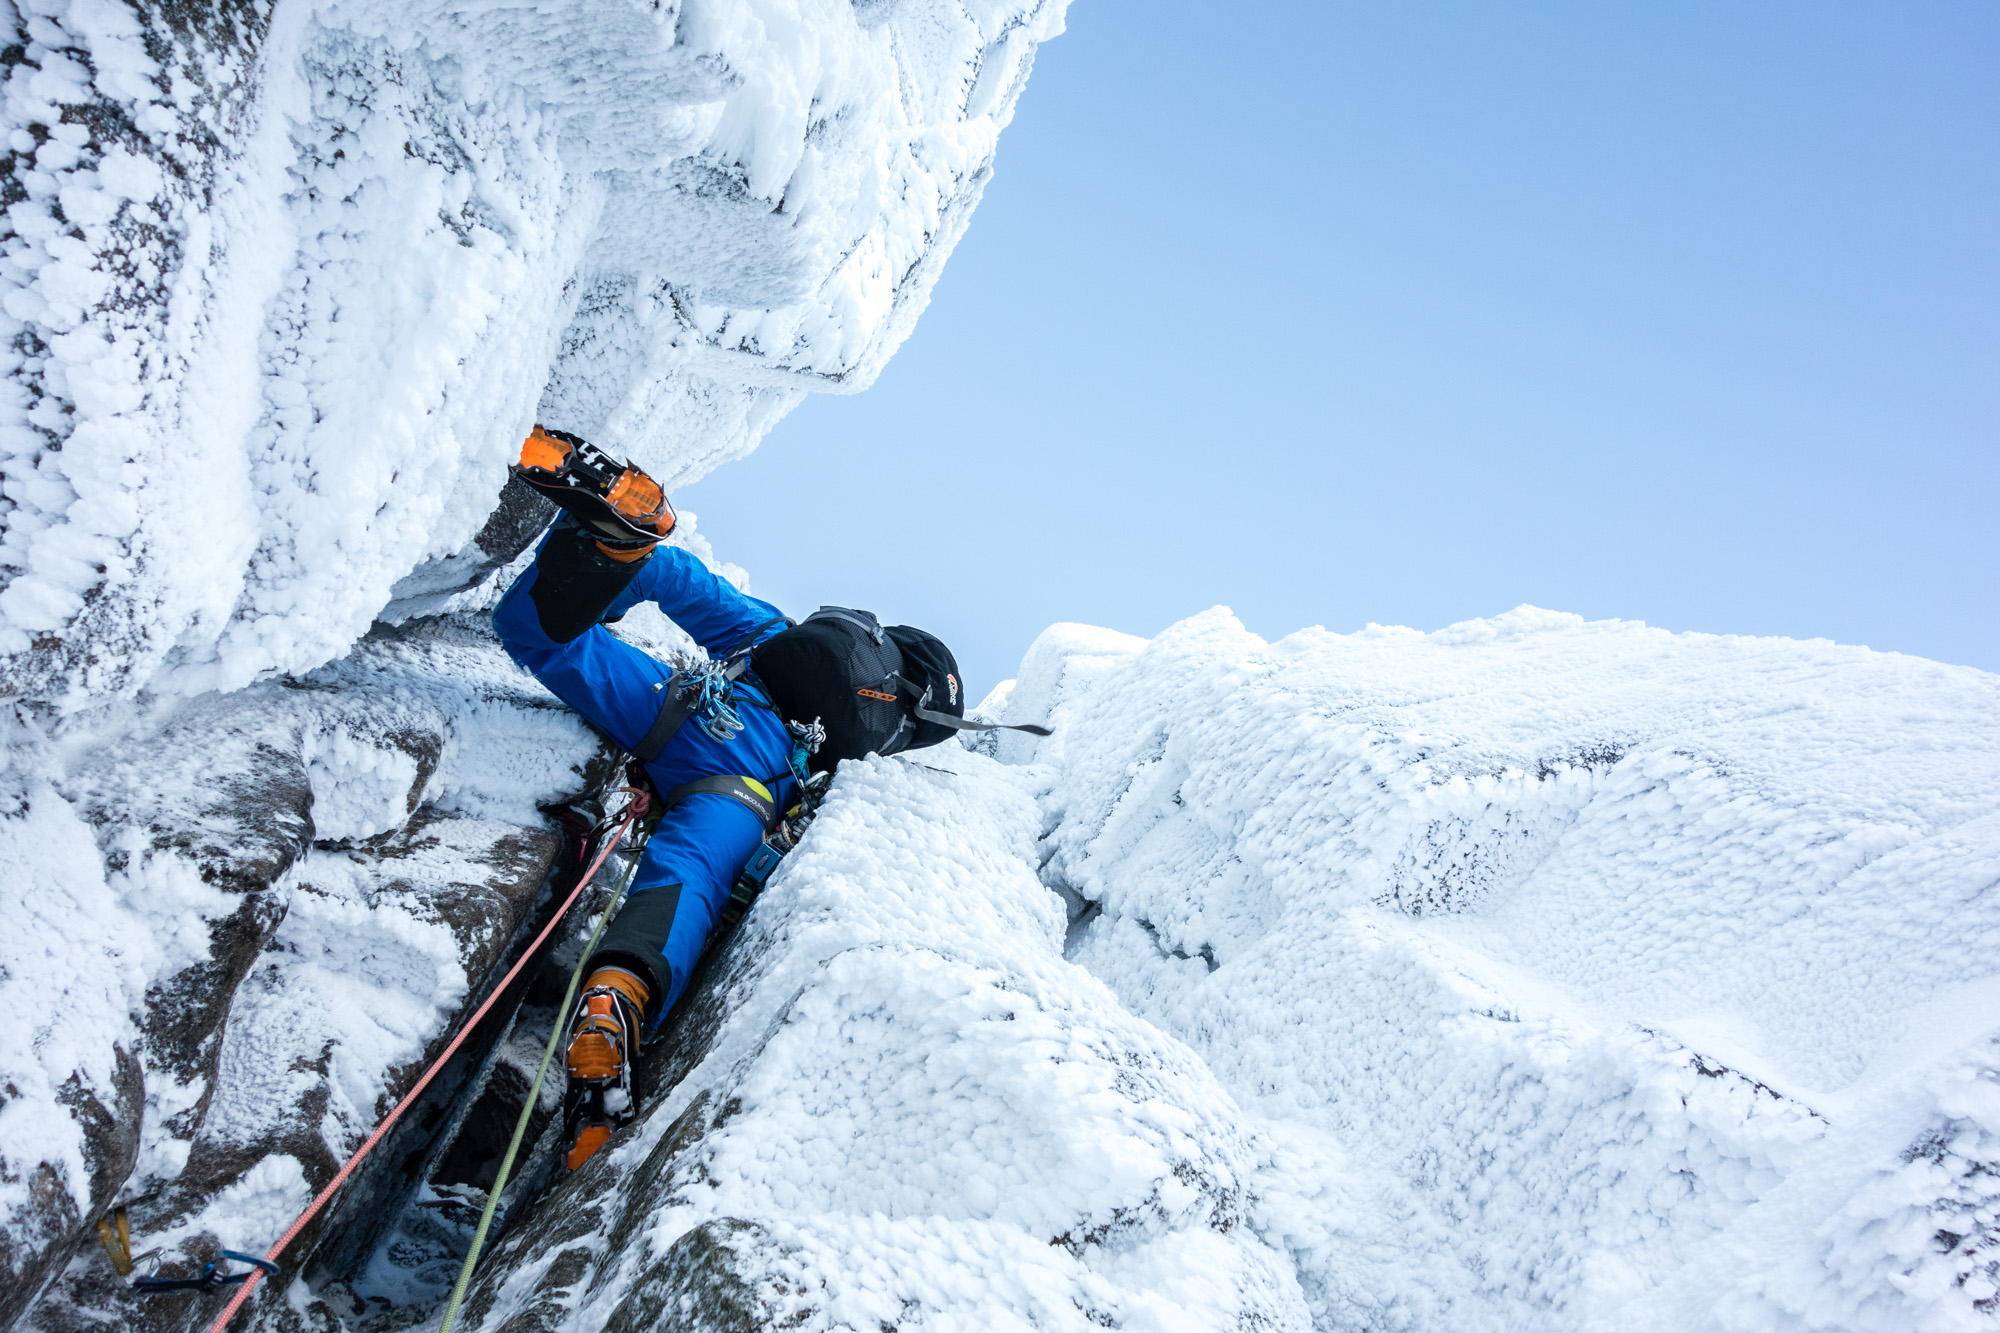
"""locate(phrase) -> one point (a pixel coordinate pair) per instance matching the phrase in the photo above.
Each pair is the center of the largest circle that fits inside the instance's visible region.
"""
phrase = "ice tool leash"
(635, 809)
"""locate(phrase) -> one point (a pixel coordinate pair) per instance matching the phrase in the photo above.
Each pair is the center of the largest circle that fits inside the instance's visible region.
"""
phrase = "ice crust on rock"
(1532, 974)
(1585, 975)
(215, 998)
(891, 1103)
(282, 287)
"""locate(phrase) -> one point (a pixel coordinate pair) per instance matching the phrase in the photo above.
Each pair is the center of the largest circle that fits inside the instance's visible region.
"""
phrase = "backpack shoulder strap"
(749, 640)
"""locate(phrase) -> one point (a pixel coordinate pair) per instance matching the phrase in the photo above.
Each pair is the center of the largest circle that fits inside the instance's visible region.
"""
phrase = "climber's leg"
(548, 623)
(680, 890)
(645, 957)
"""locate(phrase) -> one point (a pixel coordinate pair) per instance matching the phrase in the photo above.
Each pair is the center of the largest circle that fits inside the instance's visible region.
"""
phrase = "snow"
(1531, 974)
(133, 840)
(928, 1114)
(1590, 974)
(282, 296)
(69, 939)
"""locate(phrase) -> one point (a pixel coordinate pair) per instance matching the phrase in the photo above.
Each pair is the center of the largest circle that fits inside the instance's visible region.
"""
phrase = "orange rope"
(633, 810)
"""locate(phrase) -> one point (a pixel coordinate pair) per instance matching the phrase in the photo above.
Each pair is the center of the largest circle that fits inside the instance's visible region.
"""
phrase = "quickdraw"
(213, 1276)
(712, 701)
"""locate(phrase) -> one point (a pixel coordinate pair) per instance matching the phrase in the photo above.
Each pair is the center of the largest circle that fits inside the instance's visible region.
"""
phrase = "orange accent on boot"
(641, 501)
(587, 1143)
(625, 555)
(618, 979)
(595, 1047)
(544, 451)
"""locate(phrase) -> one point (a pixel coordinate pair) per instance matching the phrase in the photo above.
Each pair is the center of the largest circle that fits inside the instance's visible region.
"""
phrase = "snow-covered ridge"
(285, 284)
(1585, 974)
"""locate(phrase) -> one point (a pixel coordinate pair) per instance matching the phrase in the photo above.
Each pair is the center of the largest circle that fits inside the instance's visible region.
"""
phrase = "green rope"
(528, 1108)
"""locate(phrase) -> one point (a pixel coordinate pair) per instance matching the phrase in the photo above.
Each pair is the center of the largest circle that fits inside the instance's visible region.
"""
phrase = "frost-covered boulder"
(1584, 975)
(282, 286)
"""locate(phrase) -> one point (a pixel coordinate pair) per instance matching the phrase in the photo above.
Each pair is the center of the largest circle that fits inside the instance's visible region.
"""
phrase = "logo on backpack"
(951, 683)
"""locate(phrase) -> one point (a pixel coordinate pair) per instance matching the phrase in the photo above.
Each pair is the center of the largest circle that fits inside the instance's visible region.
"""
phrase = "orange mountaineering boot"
(603, 1037)
(623, 508)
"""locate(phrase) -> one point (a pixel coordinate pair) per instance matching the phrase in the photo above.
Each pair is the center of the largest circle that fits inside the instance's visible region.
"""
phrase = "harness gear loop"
(714, 703)
(777, 843)
(807, 737)
(704, 693)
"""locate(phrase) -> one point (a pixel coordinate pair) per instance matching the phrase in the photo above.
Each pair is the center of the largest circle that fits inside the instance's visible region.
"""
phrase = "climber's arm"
(705, 605)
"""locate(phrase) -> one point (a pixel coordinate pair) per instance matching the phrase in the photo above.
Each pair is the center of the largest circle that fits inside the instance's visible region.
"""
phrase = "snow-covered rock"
(236, 930)
(891, 1104)
(1531, 974)
(283, 285)
(1528, 975)
(1583, 975)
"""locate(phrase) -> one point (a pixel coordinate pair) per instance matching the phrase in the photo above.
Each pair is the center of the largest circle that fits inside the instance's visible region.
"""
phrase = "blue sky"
(1410, 313)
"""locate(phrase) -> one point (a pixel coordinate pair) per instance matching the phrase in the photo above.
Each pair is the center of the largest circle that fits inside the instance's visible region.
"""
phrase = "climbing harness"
(764, 861)
(533, 1100)
(785, 833)
(635, 810)
(705, 692)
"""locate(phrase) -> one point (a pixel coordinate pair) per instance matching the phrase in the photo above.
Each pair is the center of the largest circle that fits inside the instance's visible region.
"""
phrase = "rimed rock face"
(282, 288)
(308, 877)
(285, 286)
(1585, 975)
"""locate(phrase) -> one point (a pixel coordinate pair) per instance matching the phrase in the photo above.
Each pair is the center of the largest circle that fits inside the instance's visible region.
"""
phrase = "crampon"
(622, 506)
(604, 1037)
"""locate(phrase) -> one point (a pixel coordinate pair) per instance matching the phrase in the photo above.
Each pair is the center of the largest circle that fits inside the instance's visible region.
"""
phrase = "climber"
(729, 742)
(601, 559)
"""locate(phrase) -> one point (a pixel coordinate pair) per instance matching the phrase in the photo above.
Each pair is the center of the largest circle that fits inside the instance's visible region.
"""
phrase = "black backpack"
(874, 688)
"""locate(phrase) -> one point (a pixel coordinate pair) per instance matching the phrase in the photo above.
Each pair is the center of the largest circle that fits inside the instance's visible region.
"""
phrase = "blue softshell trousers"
(550, 624)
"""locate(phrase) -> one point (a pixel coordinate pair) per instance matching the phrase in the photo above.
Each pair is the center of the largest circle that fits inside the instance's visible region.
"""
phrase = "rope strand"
(528, 1109)
(633, 810)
